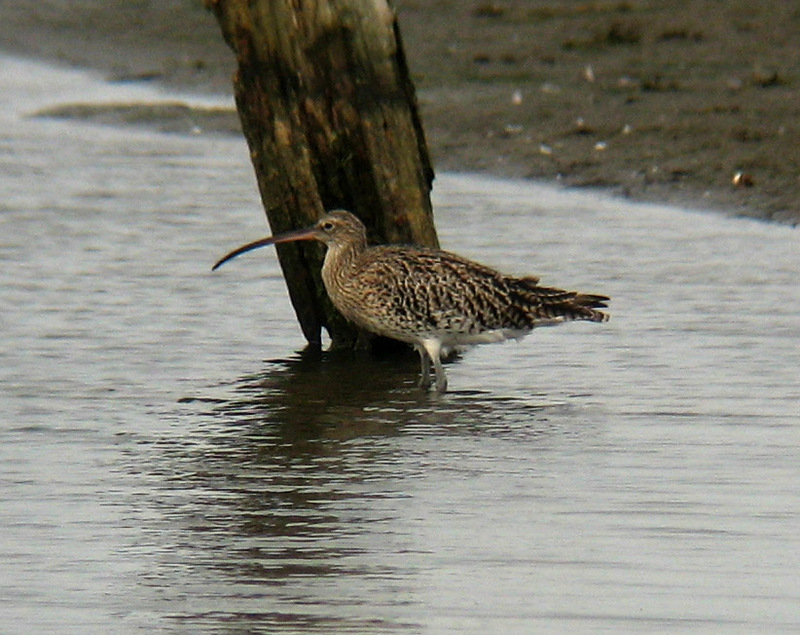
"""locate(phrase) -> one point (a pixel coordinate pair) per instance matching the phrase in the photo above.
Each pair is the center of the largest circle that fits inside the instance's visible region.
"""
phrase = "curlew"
(432, 299)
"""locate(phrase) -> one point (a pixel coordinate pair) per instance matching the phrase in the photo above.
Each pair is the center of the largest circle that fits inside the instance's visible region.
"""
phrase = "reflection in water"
(353, 394)
(293, 484)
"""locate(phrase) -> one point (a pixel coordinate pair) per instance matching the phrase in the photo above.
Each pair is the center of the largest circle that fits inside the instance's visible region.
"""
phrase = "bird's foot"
(436, 384)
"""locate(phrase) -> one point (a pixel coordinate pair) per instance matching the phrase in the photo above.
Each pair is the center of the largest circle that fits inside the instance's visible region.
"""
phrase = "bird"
(435, 300)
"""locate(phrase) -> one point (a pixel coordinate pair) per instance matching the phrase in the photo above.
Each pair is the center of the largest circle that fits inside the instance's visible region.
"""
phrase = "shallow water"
(170, 463)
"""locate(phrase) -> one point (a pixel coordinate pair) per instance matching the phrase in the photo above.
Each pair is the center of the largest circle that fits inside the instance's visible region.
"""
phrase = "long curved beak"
(288, 237)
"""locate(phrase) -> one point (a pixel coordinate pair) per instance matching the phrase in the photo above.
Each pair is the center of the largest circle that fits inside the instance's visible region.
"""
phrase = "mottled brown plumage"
(432, 299)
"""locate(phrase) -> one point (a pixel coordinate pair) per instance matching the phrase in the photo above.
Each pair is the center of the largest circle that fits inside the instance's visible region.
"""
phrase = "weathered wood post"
(330, 117)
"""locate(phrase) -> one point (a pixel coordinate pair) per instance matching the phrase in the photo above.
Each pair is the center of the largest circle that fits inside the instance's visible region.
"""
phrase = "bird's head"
(337, 229)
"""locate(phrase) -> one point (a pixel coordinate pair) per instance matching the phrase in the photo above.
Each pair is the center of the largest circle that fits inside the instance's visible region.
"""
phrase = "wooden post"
(330, 117)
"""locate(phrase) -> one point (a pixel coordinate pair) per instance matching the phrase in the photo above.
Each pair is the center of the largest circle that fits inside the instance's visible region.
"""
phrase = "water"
(170, 463)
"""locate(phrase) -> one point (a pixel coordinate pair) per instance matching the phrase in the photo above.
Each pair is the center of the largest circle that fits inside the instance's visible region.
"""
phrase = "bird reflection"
(296, 474)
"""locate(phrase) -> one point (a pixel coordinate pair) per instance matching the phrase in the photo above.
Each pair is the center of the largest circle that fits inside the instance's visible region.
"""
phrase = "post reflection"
(293, 490)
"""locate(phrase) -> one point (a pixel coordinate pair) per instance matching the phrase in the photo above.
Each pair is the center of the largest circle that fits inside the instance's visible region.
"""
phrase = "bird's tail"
(588, 303)
(551, 305)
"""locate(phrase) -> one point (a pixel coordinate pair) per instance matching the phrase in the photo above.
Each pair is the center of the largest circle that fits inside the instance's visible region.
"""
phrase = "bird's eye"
(327, 226)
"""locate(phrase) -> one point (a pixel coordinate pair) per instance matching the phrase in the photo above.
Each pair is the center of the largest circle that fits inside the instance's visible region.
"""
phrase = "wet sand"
(664, 101)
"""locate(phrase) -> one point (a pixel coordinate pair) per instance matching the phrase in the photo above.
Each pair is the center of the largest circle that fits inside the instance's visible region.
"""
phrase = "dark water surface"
(169, 463)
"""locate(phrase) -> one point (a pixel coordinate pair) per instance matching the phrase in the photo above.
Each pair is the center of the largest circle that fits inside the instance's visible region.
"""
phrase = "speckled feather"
(409, 292)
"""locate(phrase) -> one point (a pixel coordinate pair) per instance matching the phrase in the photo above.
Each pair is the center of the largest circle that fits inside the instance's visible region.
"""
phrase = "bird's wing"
(436, 291)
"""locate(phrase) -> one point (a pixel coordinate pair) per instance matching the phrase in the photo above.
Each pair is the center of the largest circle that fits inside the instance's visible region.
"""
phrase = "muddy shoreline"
(661, 101)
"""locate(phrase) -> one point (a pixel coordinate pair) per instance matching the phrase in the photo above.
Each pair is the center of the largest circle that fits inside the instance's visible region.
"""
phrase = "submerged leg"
(434, 350)
(425, 373)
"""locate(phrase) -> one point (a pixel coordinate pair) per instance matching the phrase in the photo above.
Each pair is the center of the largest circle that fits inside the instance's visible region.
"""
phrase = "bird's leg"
(425, 373)
(441, 378)
(434, 350)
